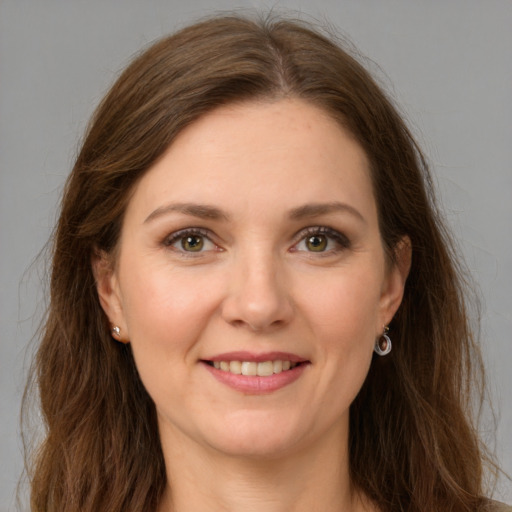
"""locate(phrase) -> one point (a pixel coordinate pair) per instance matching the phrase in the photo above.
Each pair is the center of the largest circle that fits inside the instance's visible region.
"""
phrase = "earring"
(116, 331)
(383, 343)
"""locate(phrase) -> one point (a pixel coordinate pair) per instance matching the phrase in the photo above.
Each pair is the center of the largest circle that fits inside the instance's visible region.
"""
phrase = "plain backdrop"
(448, 64)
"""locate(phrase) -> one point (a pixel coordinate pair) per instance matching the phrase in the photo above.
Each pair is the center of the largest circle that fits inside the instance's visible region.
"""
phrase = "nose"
(259, 296)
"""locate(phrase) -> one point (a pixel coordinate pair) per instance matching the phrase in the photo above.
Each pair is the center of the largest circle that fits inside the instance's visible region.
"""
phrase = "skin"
(256, 285)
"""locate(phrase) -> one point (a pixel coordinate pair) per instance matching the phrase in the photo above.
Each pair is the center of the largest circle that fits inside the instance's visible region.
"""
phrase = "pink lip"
(255, 385)
(257, 358)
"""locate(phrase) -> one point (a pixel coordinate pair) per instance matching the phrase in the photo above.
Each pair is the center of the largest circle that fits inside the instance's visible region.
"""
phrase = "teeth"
(235, 367)
(265, 369)
(250, 368)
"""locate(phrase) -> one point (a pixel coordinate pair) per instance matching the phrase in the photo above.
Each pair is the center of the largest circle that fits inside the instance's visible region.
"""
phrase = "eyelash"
(340, 239)
(182, 234)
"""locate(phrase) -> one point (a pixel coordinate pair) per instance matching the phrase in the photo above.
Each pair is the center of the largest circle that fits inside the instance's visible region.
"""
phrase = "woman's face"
(253, 246)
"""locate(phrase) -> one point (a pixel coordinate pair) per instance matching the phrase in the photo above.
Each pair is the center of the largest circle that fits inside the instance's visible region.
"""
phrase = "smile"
(252, 368)
(256, 373)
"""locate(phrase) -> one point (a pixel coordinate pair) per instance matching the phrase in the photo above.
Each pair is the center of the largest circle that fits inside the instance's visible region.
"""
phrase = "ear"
(394, 284)
(107, 286)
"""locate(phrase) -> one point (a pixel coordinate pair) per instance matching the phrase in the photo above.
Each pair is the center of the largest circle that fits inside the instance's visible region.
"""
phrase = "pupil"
(317, 243)
(192, 243)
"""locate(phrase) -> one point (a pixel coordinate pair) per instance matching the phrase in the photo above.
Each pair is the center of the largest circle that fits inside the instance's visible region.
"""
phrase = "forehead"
(267, 154)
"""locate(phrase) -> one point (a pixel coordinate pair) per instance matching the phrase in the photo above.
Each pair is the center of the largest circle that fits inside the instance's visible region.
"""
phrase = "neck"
(316, 478)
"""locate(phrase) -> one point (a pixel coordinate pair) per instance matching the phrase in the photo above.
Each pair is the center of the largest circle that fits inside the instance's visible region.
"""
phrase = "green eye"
(192, 243)
(316, 243)
(322, 240)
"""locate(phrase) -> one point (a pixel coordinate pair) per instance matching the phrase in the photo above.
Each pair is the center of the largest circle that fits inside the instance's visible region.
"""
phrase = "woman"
(254, 303)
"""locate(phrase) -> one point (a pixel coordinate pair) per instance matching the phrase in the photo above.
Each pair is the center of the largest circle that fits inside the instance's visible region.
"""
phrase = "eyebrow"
(318, 209)
(201, 211)
(205, 211)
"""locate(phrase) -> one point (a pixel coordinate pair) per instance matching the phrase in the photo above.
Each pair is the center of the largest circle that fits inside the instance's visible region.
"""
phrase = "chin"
(254, 448)
(258, 438)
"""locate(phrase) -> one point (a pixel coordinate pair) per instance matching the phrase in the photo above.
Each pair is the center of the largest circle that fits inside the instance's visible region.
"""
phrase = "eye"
(316, 243)
(190, 241)
(321, 240)
(193, 243)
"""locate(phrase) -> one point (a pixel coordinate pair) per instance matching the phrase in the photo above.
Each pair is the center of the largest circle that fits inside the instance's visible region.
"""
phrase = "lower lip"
(256, 385)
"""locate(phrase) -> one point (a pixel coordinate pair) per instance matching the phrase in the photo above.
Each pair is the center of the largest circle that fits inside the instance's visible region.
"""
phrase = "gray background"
(448, 64)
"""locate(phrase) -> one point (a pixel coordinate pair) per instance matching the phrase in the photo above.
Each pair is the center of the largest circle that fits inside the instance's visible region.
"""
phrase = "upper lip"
(257, 358)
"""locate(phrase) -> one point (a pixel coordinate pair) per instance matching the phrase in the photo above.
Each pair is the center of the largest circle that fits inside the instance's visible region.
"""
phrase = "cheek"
(345, 308)
(341, 315)
(166, 313)
(165, 310)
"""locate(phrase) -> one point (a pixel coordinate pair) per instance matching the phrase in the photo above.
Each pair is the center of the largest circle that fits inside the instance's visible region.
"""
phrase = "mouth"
(256, 374)
(253, 368)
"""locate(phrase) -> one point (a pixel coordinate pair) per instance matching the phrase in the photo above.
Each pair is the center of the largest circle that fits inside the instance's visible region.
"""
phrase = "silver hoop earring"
(116, 331)
(383, 343)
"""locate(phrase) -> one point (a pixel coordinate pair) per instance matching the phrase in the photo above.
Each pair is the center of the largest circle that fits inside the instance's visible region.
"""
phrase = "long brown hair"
(413, 445)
